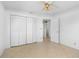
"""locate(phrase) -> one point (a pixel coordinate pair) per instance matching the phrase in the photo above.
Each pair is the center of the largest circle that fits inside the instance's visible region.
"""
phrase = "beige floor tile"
(41, 50)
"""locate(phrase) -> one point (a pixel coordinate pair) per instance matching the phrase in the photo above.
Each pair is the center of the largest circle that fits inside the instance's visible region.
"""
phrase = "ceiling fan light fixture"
(47, 5)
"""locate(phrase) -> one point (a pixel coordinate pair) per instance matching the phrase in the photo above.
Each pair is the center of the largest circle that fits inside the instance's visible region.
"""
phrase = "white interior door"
(29, 29)
(34, 31)
(39, 26)
(18, 30)
(54, 30)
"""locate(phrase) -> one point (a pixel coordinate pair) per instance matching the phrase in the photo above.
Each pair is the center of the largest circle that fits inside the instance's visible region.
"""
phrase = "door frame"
(59, 31)
(49, 20)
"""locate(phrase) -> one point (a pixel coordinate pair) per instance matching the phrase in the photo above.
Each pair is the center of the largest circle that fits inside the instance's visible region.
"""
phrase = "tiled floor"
(42, 49)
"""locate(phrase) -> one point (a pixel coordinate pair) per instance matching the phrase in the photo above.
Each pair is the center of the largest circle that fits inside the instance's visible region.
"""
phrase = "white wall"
(2, 29)
(69, 28)
(7, 31)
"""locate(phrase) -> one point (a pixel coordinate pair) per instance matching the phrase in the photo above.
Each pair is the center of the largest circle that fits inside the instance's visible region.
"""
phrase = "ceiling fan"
(47, 5)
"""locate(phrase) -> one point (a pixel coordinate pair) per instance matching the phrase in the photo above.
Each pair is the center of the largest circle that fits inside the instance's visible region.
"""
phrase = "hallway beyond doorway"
(46, 30)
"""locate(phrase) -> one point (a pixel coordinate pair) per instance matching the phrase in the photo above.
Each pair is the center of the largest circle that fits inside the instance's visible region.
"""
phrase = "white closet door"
(29, 29)
(39, 26)
(34, 31)
(18, 30)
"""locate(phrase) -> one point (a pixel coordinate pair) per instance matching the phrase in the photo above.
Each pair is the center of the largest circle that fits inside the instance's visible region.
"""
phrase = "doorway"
(46, 30)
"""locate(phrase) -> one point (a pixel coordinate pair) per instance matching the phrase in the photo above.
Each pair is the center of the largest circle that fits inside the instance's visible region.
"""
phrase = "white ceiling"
(36, 7)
